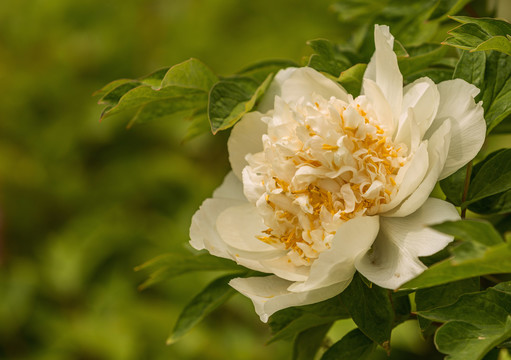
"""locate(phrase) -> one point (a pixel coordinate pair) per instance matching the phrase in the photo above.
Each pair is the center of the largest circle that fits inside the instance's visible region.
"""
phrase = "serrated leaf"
(370, 309)
(353, 346)
(170, 265)
(351, 79)
(286, 323)
(442, 295)
(494, 177)
(475, 323)
(214, 295)
(493, 205)
(232, 98)
(308, 342)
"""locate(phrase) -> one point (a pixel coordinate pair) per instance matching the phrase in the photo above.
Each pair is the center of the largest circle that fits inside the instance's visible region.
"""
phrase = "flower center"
(323, 164)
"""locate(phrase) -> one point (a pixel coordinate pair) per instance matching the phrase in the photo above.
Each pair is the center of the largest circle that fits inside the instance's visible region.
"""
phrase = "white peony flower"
(324, 184)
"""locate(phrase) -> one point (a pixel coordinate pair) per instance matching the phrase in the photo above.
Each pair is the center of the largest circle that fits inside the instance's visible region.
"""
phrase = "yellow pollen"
(329, 147)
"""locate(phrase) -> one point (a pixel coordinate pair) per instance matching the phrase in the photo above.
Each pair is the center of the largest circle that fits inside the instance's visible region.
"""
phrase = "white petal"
(423, 97)
(353, 238)
(292, 84)
(203, 231)
(438, 147)
(231, 188)
(245, 139)
(269, 294)
(393, 260)
(468, 125)
(383, 69)
(285, 269)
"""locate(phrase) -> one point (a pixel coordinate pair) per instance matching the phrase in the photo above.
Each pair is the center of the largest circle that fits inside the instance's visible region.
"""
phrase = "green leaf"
(494, 177)
(232, 98)
(286, 323)
(308, 342)
(471, 68)
(474, 257)
(453, 185)
(170, 265)
(353, 346)
(497, 92)
(475, 323)
(214, 295)
(177, 92)
(328, 57)
(420, 57)
(442, 295)
(191, 74)
(351, 79)
(471, 230)
(145, 103)
(493, 205)
(480, 34)
(370, 309)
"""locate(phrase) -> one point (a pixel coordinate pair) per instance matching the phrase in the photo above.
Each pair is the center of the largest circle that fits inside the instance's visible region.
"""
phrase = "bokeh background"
(82, 203)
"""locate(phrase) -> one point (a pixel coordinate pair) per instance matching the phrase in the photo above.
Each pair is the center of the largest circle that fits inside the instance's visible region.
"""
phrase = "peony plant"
(324, 184)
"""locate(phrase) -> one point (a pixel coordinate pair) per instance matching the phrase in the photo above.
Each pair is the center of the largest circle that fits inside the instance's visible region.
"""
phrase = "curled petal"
(394, 257)
(269, 294)
(467, 121)
(384, 71)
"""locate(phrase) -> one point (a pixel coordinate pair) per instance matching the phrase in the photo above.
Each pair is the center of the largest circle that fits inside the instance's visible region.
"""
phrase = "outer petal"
(438, 147)
(269, 294)
(292, 84)
(383, 69)
(393, 260)
(468, 125)
(203, 233)
(245, 139)
(353, 238)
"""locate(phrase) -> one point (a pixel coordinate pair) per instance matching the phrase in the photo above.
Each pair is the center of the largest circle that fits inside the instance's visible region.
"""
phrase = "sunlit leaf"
(475, 323)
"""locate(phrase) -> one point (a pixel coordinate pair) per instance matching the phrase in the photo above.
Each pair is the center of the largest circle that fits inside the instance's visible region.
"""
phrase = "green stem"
(465, 190)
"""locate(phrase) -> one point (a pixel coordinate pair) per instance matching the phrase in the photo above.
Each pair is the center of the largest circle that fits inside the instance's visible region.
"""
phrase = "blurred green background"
(82, 203)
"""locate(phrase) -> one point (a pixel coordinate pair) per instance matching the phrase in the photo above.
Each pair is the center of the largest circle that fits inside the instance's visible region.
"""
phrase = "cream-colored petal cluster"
(324, 184)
